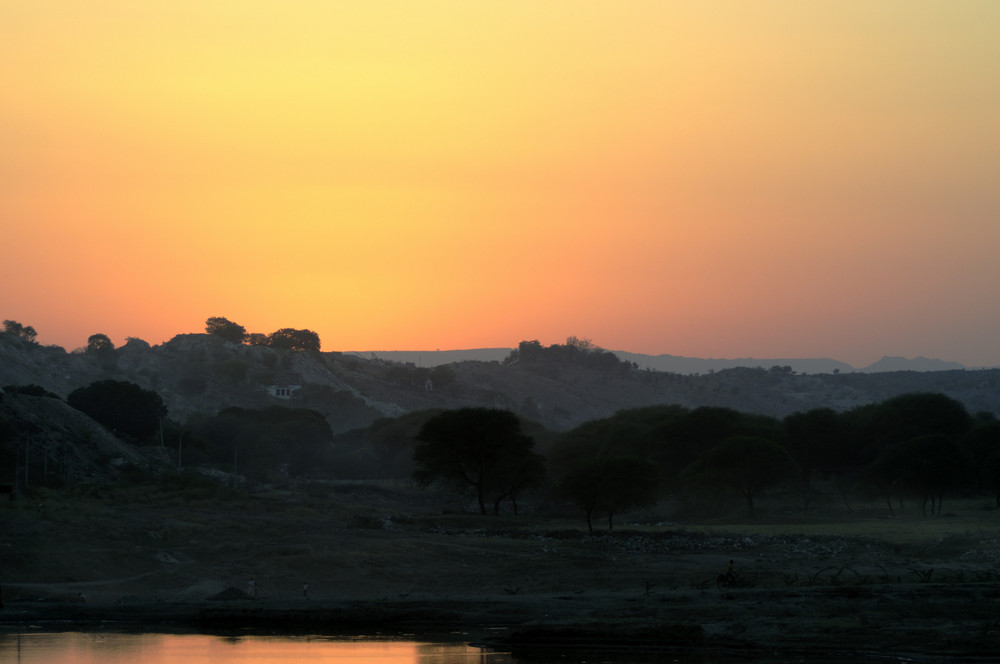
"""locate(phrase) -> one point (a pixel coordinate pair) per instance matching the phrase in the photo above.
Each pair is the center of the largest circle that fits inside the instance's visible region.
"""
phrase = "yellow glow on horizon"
(720, 179)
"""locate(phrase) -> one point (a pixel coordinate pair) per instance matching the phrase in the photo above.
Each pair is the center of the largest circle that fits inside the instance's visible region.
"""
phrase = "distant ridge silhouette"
(889, 363)
(672, 363)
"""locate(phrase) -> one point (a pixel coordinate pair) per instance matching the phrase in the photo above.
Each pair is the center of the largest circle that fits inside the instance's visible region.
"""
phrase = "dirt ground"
(378, 558)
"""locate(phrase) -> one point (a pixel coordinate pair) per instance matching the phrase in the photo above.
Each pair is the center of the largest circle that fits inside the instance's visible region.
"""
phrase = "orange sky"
(715, 179)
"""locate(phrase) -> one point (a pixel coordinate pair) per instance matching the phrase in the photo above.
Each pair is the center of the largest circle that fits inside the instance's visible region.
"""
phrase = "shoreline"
(825, 588)
(943, 622)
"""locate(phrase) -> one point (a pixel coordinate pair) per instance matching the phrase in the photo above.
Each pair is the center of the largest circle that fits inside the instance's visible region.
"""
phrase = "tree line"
(287, 338)
(533, 356)
(922, 445)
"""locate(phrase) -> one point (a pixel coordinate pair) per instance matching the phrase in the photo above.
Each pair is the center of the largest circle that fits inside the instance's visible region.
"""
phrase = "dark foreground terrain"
(388, 559)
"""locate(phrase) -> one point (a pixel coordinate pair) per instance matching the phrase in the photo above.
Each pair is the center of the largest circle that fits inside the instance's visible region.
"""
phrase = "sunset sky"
(715, 179)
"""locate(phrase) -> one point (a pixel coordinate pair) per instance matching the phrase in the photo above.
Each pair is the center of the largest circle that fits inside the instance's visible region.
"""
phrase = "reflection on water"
(41, 647)
(111, 648)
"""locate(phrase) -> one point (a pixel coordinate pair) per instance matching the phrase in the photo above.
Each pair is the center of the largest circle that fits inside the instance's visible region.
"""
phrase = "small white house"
(283, 385)
(282, 391)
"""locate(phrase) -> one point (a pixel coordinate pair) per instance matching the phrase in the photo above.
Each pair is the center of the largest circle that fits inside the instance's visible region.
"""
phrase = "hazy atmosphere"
(719, 179)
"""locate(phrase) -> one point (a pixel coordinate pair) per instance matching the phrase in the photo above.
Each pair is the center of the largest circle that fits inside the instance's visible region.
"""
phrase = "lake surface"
(34, 646)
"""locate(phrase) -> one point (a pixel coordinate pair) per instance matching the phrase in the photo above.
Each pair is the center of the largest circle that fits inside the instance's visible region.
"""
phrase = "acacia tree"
(482, 448)
(291, 339)
(746, 464)
(514, 475)
(611, 484)
(926, 467)
(226, 329)
(903, 418)
(936, 465)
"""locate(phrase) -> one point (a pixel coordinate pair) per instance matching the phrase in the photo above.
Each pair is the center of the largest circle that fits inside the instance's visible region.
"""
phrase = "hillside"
(199, 373)
(381, 555)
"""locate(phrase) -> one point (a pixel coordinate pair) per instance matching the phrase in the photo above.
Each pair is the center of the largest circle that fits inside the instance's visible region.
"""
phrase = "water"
(35, 646)
(39, 647)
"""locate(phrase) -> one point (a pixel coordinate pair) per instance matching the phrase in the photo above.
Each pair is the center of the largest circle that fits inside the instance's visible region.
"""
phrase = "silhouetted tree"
(814, 439)
(903, 418)
(935, 465)
(442, 375)
(266, 443)
(388, 443)
(982, 447)
(482, 448)
(226, 329)
(991, 471)
(581, 352)
(515, 474)
(526, 351)
(288, 338)
(120, 405)
(610, 484)
(925, 467)
(746, 464)
(99, 344)
(25, 332)
(670, 436)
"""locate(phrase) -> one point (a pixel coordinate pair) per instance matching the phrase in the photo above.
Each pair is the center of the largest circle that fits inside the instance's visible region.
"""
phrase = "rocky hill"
(200, 373)
(70, 445)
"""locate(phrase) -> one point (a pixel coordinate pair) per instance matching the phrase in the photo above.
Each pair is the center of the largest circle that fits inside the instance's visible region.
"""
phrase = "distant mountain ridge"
(672, 363)
(697, 365)
(434, 358)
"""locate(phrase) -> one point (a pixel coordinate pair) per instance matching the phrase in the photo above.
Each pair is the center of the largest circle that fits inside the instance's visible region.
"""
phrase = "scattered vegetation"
(920, 446)
(287, 338)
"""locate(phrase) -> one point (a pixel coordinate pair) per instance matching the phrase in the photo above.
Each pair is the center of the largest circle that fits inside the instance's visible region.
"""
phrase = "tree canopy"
(99, 344)
(14, 328)
(266, 443)
(226, 329)
(610, 484)
(288, 338)
(746, 464)
(481, 448)
(926, 467)
(583, 352)
(907, 416)
(120, 405)
(670, 436)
